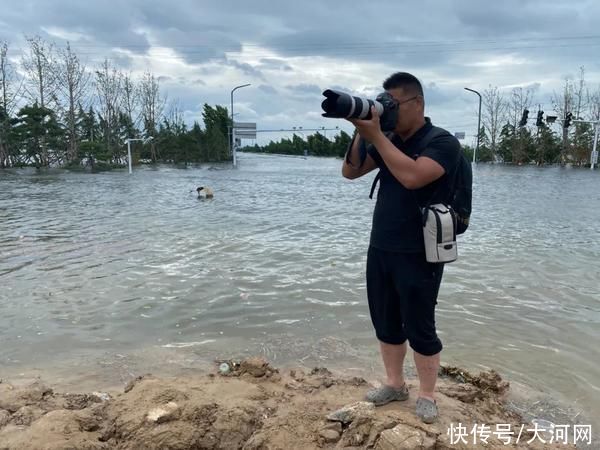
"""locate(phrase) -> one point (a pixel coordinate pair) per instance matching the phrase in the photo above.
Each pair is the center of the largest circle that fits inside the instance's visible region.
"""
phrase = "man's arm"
(412, 174)
(350, 168)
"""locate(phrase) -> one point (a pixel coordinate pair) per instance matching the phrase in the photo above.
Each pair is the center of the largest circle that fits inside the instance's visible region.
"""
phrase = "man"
(402, 287)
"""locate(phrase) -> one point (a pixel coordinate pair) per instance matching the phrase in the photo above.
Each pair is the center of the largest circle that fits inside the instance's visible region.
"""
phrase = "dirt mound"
(252, 406)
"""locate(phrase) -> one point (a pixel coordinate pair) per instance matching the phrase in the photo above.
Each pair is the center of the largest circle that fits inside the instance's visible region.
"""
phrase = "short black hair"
(404, 80)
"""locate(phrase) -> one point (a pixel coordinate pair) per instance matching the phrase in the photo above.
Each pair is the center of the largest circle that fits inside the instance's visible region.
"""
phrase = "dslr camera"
(340, 105)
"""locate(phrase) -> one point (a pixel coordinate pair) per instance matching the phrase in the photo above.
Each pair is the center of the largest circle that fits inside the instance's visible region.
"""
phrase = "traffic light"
(568, 119)
(540, 119)
(523, 121)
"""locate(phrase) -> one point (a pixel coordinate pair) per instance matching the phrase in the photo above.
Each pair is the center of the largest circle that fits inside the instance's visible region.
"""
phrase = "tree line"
(504, 136)
(54, 111)
(554, 139)
(314, 145)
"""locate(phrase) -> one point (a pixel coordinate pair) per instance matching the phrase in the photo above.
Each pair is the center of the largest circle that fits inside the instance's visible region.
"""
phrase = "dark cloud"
(435, 95)
(247, 69)
(292, 51)
(267, 89)
(518, 18)
(118, 59)
(304, 89)
(197, 46)
(274, 64)
(104, 24)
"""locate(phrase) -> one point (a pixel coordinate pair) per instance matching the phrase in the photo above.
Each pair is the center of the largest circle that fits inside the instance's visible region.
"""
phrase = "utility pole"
(478, 123)
(594, 156)
(129, 140)
(232, 137)
(522, 123)
(565, 146)
(540, 123)
(566, 124)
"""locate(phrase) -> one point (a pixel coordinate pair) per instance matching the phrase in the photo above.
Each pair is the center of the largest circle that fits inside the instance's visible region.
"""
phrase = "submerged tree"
(72, 81)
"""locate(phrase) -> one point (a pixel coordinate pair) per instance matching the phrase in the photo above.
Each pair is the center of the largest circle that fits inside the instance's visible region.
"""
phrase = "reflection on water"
(94, 266)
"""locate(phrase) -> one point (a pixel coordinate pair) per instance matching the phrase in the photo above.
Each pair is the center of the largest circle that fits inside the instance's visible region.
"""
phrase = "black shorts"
(402, 289)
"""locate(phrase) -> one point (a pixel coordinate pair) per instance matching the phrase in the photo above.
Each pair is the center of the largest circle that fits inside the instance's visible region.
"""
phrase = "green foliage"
(581, 143)
(341, 143)
(36, 137)
(40, 136)
(520, 146)
(315, 145)
(215, 138)
(485, 153)
(547, 147)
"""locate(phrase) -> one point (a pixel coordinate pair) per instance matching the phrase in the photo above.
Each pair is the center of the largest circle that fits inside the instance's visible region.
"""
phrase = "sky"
(290, 52)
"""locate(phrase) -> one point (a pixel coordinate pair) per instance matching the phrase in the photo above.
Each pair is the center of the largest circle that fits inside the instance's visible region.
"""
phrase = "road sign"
(245, 130)
(459, 135)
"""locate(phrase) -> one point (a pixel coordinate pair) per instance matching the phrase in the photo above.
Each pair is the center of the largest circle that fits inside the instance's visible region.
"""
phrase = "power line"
(356, 49)
(349, 52)
(354, 45)
(298, 130)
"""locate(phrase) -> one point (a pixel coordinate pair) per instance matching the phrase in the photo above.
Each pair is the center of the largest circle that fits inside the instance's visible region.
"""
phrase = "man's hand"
(368, 129)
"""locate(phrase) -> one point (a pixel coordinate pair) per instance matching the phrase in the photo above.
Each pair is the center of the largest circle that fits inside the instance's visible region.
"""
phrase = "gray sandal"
(386, 394)
(427, 410)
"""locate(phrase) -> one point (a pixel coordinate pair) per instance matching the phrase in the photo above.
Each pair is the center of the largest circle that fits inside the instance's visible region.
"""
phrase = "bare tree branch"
(520, 99)
(594, 104)
(7, 103)
(72, 81)
(40, 76)
(152, 104)
(109, 86)
(494, 114)
(580, 95)
(40, 79)
(131, 100)
(563, 104)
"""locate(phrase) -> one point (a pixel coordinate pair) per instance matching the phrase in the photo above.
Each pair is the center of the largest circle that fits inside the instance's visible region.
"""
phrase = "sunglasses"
(407, 100)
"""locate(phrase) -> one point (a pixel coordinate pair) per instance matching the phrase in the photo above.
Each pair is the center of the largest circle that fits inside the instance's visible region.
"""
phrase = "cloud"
(274, 65)
(247, 69)
(290, 52)
(304, 89)
(267, 89)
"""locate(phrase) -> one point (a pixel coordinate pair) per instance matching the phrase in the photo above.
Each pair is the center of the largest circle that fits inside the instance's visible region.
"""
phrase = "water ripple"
(91, 264)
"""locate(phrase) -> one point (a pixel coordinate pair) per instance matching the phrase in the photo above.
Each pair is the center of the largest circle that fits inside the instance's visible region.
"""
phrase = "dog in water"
(204, 192)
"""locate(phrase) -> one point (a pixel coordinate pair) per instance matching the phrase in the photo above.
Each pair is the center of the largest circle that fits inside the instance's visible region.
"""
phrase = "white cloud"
(503, 61)
(67, 35)
(290, 51)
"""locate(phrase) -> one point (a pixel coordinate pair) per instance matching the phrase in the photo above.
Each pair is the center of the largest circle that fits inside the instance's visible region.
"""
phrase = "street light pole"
(128, 140)
(478, 123)
(129, 154)
(232, 137)
(594, 156)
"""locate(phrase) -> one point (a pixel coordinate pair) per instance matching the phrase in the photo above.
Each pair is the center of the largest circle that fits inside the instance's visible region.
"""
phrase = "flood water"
(107, 275)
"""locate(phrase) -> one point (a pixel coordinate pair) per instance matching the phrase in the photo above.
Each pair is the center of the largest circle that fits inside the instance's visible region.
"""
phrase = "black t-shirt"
(397, 219)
